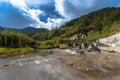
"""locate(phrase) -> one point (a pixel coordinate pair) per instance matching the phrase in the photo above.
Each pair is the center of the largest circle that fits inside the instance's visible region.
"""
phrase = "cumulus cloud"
(75, 8)
(52, 22)
(38, 2)
(25, 10)
(11, 17)
(35, 13)
(47, 13)
(18, 3)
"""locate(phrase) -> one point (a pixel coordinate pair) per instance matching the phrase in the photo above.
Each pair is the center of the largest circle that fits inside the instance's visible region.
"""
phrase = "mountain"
(96, 24)
(1, 28)
(28, 30)
(31, 30)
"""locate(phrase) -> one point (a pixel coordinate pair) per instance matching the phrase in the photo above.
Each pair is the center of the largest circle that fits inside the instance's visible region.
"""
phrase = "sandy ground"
(62, 66)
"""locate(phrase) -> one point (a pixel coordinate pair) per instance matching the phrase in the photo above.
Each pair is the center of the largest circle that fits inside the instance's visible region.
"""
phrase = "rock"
(93, 49)
(80, 51)
(72, 51)
(5, 65)
(87, 69)
(112, 51)
(37, 62)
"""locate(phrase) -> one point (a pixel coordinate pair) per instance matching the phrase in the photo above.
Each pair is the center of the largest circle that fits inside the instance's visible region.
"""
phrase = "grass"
(63, 46)
(54, 43)
(10, 52)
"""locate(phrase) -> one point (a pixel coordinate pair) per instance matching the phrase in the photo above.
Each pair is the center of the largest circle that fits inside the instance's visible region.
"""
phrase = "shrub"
(63, 46)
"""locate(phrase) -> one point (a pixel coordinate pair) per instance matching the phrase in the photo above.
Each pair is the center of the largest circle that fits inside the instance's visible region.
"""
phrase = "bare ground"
(103, 66)
(62, 66)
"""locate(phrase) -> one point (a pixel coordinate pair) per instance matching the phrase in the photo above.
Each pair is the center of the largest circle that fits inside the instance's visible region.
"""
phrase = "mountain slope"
(28, 30)
(102, 21)
(96, 24)
(31, 30)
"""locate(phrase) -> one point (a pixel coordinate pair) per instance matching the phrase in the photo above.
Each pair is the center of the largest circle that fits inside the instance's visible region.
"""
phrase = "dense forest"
(13, 39)
(96, 24)
(30, 31)
(13, 43)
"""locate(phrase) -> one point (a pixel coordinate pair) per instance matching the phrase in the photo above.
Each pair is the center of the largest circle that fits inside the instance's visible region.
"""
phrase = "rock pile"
(90, 50)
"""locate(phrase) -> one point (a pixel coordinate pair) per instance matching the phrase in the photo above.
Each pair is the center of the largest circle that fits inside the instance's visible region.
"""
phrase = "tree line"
(12, 39)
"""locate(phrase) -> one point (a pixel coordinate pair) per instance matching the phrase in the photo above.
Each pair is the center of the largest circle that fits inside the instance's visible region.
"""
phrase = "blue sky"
(47, 13)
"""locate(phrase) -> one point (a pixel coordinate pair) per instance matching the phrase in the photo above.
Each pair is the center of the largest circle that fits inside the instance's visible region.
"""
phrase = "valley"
(85, 48)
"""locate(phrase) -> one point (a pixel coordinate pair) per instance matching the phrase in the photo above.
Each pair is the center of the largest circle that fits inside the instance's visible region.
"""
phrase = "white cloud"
(51, 23)
(26, 11)
(56, 22)
(59, 6)
(69, 9)
(18, 3)
(34, 14)
(35, 2)
(74, 8)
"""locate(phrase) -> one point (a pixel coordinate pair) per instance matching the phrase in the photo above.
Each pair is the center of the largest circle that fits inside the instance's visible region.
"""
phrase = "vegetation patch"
(11, 52)
(12, 39)
(54, 43)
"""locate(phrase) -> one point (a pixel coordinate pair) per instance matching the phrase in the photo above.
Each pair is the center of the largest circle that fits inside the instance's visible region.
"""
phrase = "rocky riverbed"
(62, 66)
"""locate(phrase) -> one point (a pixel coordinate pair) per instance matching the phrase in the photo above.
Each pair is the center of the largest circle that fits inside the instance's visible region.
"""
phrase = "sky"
(47, 13)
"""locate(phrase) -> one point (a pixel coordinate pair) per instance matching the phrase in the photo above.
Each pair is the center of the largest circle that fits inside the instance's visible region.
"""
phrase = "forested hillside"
(97, 24)
(105, 21)
(28, 30)
(94, 25)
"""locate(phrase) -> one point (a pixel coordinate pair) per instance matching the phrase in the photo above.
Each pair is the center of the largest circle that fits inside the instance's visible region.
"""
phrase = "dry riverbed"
(62, 66)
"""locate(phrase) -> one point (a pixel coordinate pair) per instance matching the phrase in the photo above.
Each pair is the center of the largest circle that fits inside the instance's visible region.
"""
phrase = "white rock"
(71, 51)
(45, 60)
(87, 69)
(37, 62)
(112, 41)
